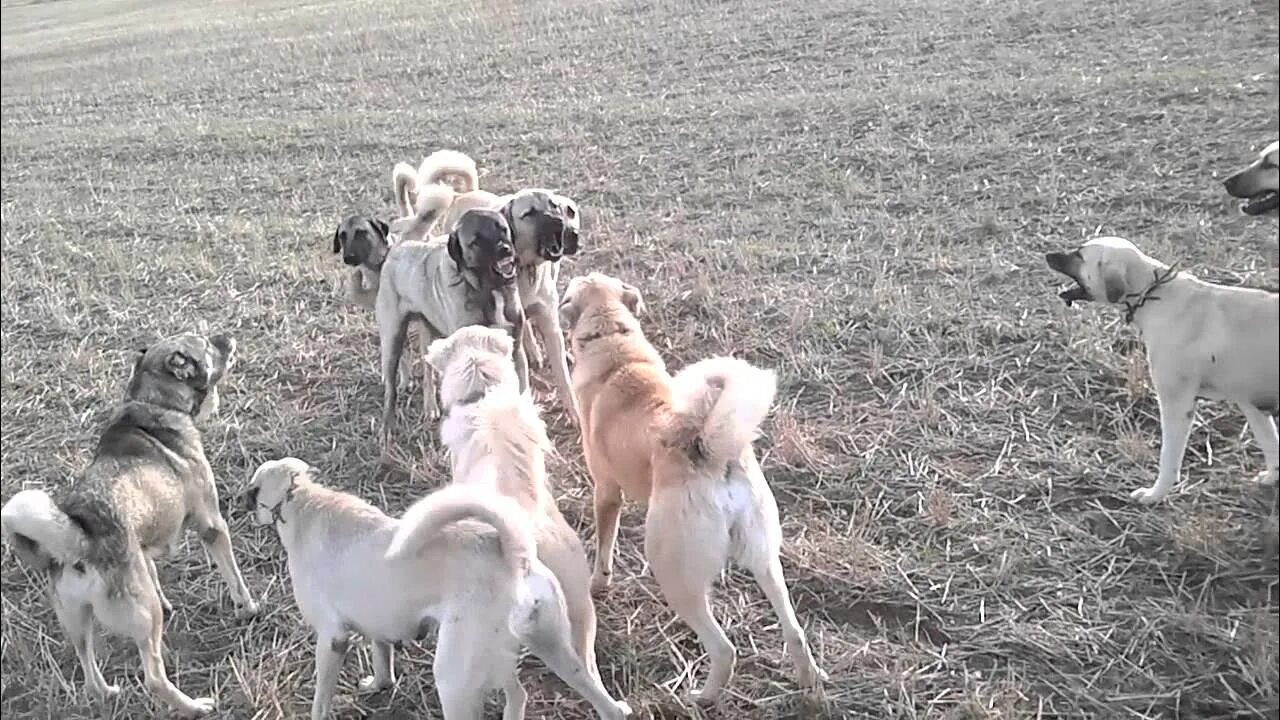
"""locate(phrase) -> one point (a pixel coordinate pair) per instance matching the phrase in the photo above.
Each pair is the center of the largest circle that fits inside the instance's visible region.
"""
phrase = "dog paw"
(1147, 496)
(369, 685)
(1267, 478)
(813, 676)
(624, 710)
(198, 707)
(106, 692)
(600, 583)
(702, 697)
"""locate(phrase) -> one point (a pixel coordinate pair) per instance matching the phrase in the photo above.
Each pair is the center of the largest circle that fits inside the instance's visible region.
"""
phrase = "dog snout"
(1059, 261)
(249, 500)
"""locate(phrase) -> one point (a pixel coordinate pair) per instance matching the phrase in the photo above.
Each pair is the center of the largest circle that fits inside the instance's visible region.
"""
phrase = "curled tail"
(40, 532)
(426, 518)
(430, 202)
(718, 406)
(404, 179)
(449, 167)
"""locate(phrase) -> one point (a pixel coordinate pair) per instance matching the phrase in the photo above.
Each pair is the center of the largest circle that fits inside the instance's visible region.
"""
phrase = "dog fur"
(497, 440)
(462, 558)
(683, 446)
(96, 541)
(465, 279)
(545, 227)
(449, 168)
(1203, 341)
(1258, 183)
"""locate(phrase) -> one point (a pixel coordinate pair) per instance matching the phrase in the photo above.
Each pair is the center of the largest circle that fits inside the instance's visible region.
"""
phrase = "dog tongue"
(1073, 294)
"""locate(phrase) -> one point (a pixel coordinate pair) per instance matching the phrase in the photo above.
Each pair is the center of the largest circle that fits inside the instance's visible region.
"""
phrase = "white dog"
(355, 570)
(1203, 340)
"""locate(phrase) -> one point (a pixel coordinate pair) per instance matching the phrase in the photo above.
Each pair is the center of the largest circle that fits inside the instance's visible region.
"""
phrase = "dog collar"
(277, 510)
(1131, 308)
(618, 329)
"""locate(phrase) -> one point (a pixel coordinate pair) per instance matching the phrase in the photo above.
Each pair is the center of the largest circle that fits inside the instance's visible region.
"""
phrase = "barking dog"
(462, 558)
(1259, 183)
(466, 279)
(496, 440)
(545, 227)
(682, 445)
(97, 539)
(1203, 341)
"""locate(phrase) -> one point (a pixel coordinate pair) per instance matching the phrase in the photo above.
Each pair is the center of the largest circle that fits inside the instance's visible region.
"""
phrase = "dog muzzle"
(1073, 294)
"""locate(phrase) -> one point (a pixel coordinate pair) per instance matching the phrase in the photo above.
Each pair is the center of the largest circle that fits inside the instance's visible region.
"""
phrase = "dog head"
(182, 373)
(471, 361)
(1259, 183)
(481, 244)
(545, 225)
(271, 487)
(596, 292)
(1104, 268)
(362, 241)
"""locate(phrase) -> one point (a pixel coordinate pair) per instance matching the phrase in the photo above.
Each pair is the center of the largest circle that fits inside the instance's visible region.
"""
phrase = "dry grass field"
(856, 194)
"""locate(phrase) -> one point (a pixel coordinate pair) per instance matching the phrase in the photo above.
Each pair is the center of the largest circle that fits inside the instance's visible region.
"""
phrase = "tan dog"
(462, 558)
(1259, 183)
(1203, 340)
(545, 227)
(97, 539)
(497, 440)
(682, 445)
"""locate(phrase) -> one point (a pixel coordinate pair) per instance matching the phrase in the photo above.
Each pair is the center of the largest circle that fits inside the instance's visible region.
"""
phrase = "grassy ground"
(858, 195)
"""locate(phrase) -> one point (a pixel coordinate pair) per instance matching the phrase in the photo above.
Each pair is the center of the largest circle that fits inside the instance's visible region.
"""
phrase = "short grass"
(855, 194)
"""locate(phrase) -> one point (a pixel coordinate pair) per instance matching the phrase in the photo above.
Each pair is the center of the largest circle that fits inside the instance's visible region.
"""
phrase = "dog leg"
(550, 642)
(1176, 412)
(549, 327)
(155, 579)
(430, 398)
(77, 622)
(331, 650)
(143, 620)
(771, 581)
(217, 542)
(460, 669)
(391, 344)
(516, 698)
(1263, 426)
(608, 507)
(383, 675)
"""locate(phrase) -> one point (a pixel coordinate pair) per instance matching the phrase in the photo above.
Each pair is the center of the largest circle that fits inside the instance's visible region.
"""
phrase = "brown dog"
(682, 445)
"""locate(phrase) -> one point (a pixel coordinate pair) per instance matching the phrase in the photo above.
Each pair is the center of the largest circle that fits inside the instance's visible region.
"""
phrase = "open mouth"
(505, 268)
(1262, 203)
(1072, 294)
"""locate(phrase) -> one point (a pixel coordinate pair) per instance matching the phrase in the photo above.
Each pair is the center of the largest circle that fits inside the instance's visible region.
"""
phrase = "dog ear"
(631, 298)
(498, 342)
(569, 314)
(1113, 282)
(455, 251)
(337, 240)
(383, 229)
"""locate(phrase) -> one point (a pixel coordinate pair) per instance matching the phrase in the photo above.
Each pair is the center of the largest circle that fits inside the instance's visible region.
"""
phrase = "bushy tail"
(429, 516)
(449, 167)
(405, 181)
(40, 532)
(719, 404)
(431, 201)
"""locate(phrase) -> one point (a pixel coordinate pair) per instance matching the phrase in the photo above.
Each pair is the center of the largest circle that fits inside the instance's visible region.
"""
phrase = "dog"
(545, 227)
(96, 540)
(465, 279)
(683, 446)
(497, 440)
(450, 168)
(1259, 183)
(1203, 341)
(462, 558)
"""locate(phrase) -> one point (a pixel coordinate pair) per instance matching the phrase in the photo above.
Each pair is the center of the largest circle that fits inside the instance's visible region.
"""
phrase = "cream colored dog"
(1203, 340)
(683, 445)
(447, 169)
(462, 558)
(545, 227)
(497, 440)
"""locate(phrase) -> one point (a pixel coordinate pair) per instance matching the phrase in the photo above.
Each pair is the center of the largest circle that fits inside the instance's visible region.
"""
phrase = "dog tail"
(424, 521)
(432, 200)
(718, 406)
(405, 180)
(449, 167)
(40, 532)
